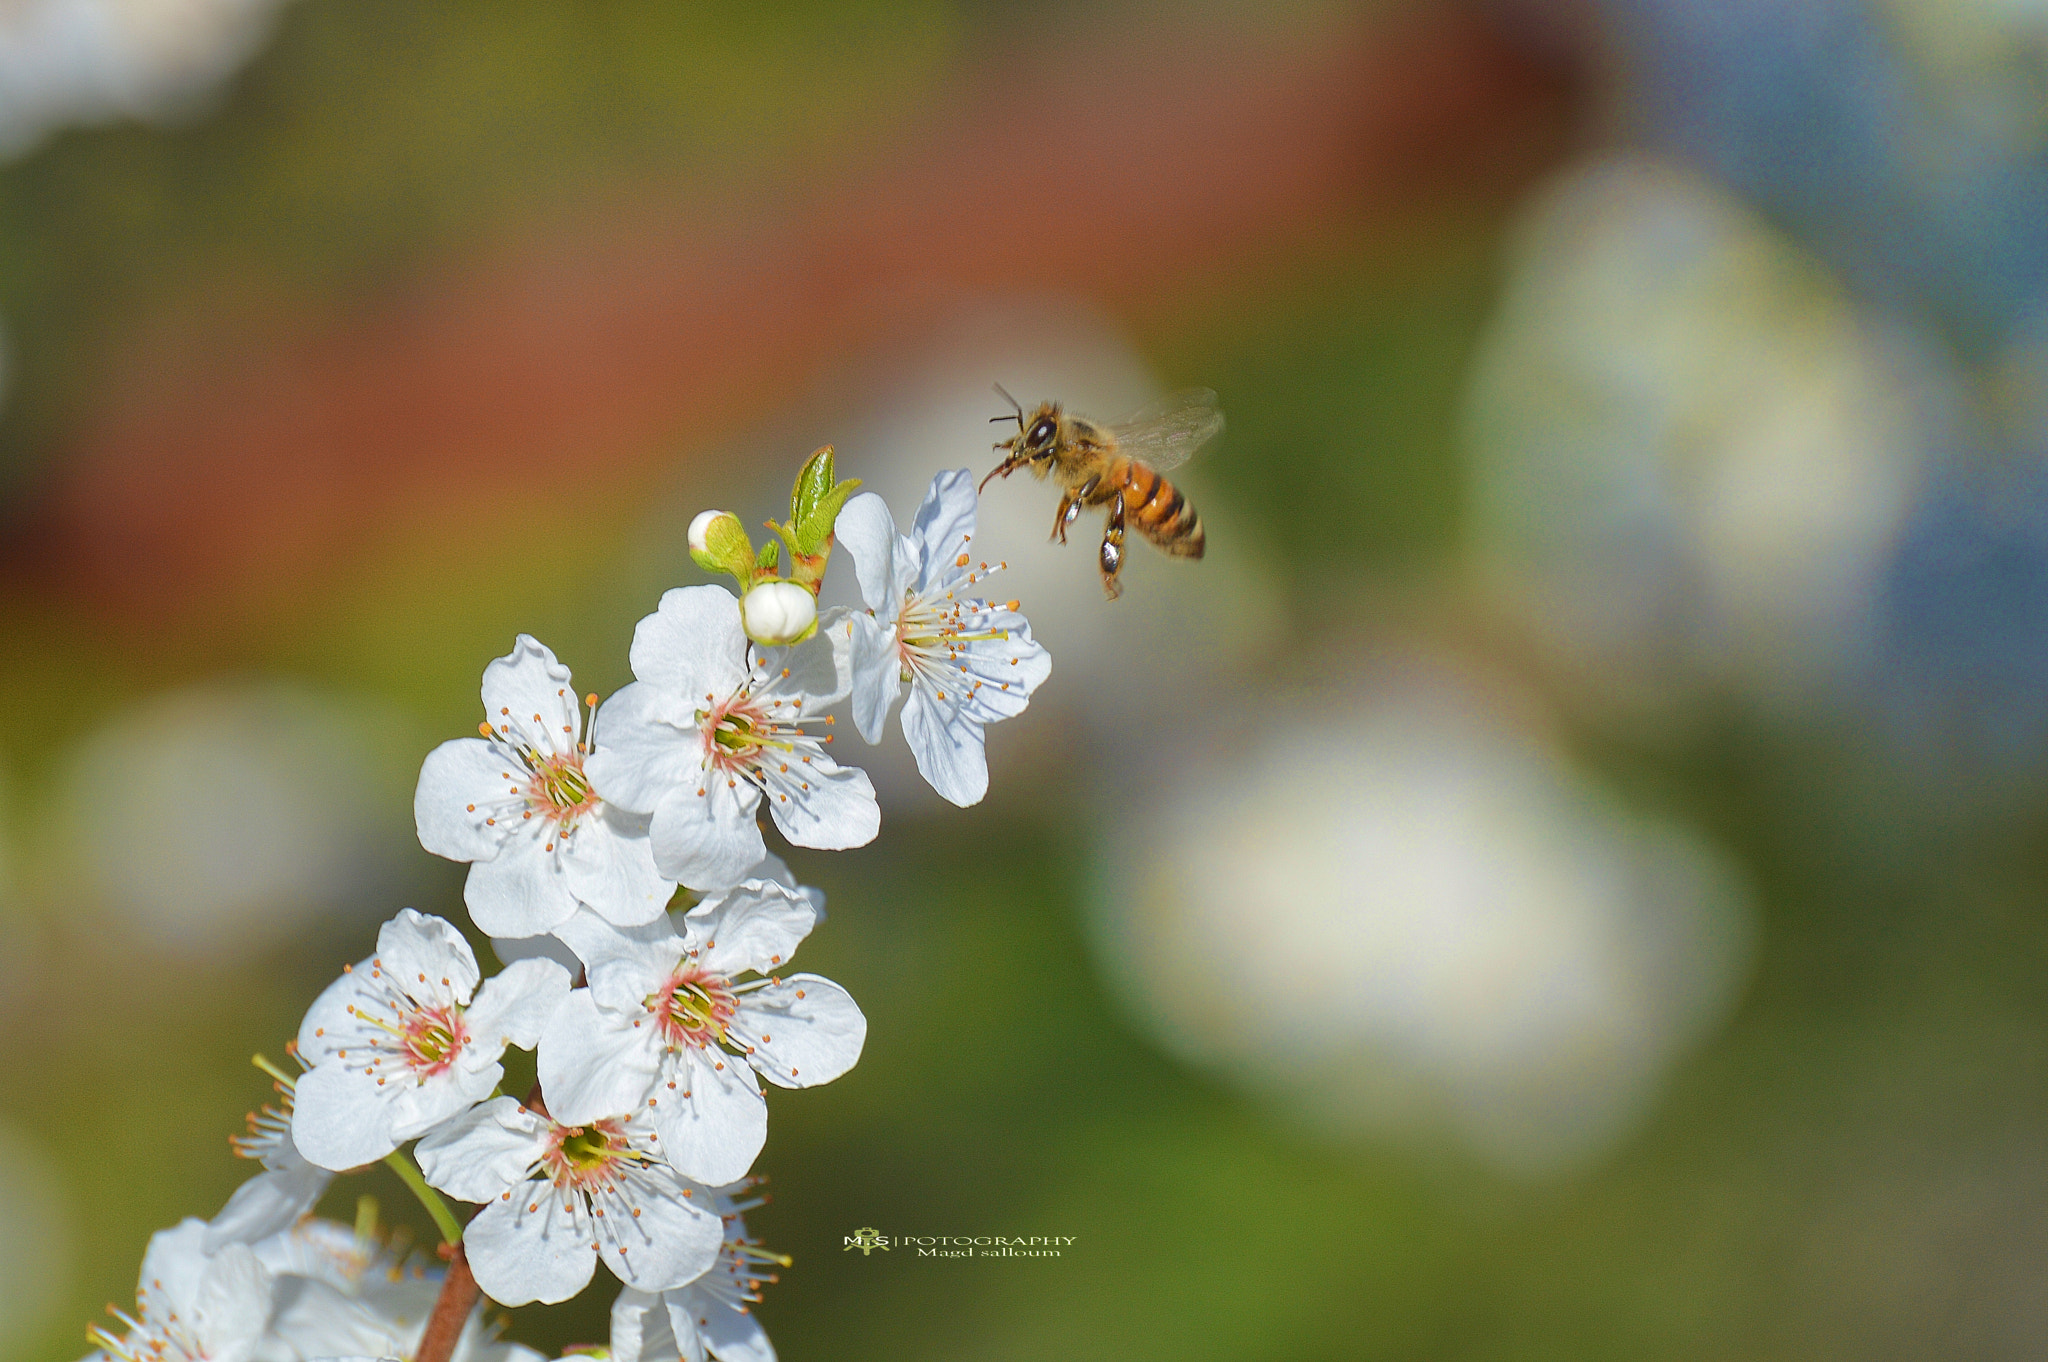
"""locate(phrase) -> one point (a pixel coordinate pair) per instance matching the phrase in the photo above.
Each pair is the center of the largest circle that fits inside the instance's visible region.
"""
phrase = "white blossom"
(91, 61)
(191, 1306)
(341, 1294)
(1467, 938)
(774, 868)
(670, 1025)
(711, 726)
(397, 1046)
(276, 1198)
(557, 1197)
(968, 661)
(518, 805)
(712, 1314)
(338, 1294)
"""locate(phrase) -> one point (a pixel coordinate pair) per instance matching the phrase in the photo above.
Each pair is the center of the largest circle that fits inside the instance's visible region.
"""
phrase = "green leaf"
(770, 552)
(814, 531)
(813, 483)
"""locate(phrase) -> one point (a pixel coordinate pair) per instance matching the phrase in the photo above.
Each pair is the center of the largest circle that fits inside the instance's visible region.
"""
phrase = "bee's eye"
(1041, 434)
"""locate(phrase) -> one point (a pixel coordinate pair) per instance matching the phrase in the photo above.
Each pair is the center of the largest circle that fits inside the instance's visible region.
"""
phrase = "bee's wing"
(1166, 432)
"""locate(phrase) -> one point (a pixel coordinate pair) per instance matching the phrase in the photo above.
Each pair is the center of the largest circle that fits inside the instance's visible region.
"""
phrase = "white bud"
(700, 528)
(778, 612)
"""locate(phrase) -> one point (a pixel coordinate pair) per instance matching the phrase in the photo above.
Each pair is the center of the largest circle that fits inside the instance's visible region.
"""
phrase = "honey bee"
(1119, 466)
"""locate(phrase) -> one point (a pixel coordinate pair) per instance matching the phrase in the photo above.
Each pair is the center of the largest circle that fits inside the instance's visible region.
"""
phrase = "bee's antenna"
(1005, 393)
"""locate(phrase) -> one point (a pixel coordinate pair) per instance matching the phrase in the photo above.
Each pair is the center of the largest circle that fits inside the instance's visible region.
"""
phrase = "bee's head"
(1038, 435)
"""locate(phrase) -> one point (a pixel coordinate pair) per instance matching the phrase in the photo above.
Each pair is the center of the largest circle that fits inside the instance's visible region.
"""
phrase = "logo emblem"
(866, 1240)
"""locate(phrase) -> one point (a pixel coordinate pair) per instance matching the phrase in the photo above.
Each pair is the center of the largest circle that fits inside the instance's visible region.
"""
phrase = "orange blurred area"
(239, 455)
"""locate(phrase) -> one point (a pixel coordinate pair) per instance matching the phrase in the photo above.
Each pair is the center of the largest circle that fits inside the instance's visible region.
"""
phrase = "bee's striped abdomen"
(1160, 512)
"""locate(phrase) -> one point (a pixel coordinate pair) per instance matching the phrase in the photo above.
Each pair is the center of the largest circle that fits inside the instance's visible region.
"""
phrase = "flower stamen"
(694, 1008)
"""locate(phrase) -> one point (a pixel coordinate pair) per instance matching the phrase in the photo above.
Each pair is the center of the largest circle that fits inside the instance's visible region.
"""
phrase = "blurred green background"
(345, 341)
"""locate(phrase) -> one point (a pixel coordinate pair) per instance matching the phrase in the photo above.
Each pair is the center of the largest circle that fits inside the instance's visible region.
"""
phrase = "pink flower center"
(694, 1008)
(733, 732)
(588, 1158)
(558, 789)
(431, 1039)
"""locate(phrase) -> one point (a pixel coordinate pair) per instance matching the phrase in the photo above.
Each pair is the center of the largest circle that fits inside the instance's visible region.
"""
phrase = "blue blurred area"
(1832, 119)
(1960, 661)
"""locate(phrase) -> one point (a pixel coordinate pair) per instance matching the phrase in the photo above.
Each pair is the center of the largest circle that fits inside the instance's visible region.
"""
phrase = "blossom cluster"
(617, 860)
(321, 1289)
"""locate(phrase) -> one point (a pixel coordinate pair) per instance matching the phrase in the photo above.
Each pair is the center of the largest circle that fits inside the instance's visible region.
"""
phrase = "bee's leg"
(1113, 548)
(1069, 509)
(1064, 516)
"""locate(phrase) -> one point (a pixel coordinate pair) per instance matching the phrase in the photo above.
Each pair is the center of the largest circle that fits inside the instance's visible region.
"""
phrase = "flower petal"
(173, 1265)
(877, 675)
(804, 1030)
(945, 522)
(273, 1200)
(654, 945)
(948, 747)
(646, 744)
(684, 1306)
(609, 864)
(530, 693)
(330, 1025)
(428, 958)
(823, 805)
(733, 1336)
(521, 1255)
(317, 1318)
(692, 644)
(704, 834)
(523, 892)
(459, 788)
(622, 986)
(774, 868)
(514, 1006)
(341, 1118)
(642, 1331)
(485, 1150)
(415, 1105)
(232, 1306)
(594, 1063)
(866, 530)
(669, 1240)
(756, 925)
(1009, 669)
(713, 1124)
(814, 673)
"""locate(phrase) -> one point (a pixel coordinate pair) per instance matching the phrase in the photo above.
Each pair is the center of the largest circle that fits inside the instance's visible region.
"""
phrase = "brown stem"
(459, 1295)
(459, 1291)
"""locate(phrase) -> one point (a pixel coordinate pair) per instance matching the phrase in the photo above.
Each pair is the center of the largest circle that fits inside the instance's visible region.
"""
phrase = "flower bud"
(700, 529)
(778, 612)
(719, 543)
